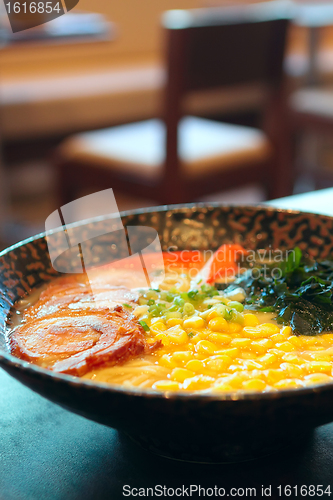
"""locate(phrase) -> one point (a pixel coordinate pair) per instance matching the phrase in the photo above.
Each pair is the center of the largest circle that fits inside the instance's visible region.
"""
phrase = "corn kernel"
(328, 337)
(158, 327)
(218, 325)
(205, 347)
(166, 385)
(274, 375)
(255, 384)
(292, 371)
(267, 359)
(317, 378)
(166, 361)
(174, 322)
(181, 374)
(240, 342)
(222, 387)
(212, 314)
(219, 338)
(232, 352)
(235, 328)
(218, 364)
(320, 356)
(318, 367)
(290, 357)
(286, 347)
(153, 321)
(253, 332)
(250, 320)
(295, 341)
(250, 364)
(278, 337)
(288, 383)
(196, 365)
(177, 335)
(194, 322)
(261, 346)
(198, 382)
(164, 338)
(181, 356)
(269, 328)
(307, 340)
(286, 330)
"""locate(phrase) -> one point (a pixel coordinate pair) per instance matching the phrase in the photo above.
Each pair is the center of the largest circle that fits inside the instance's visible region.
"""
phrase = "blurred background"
(103, 65)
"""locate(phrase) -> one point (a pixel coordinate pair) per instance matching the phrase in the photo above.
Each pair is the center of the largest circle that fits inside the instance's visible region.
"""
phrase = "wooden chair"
(311, 119)
(209, 52)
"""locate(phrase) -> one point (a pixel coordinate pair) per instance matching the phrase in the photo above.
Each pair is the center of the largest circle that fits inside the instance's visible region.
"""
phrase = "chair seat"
(138, 149)
(313, 101)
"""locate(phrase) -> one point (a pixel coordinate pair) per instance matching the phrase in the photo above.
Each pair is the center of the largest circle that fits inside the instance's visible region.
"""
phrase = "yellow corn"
(240, 342)
(218, 325)
(181, 356)
(254, 384)
(274, 375)
(176, 335)
(254, 332)
(212, 314)
(196, 365)
(318, 367)
(286, 331)
(205, 347)
(233, 352)
(269, 328)
(267, 359)
(198, 382)
(157, 327)
(219, 338)
(292, 371)
(167, 361)
(288, 383)
(251, 320)
(235, 328)
(174, 322)
(218, 364)
(317, 378)
(194, 322)
(260, 346)
(166, 385)
(181, 374)
(286, 347)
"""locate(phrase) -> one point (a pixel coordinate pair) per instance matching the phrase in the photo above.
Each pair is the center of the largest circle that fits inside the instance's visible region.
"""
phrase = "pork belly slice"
(74, 293)
(75, 342)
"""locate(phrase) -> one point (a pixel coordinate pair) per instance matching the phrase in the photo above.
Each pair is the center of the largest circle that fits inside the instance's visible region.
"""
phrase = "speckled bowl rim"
(9, 360)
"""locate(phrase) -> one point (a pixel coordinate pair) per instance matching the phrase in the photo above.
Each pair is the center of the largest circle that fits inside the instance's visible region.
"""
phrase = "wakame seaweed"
(299, 290)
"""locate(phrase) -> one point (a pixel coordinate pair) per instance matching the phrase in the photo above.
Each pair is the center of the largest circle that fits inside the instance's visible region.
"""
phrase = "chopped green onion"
(234, 304)
(190, 334)
(128, 305)
(188, 309)
(151, 302)
(193, 294)
(236, 317)
(178, 301)
(144, 326)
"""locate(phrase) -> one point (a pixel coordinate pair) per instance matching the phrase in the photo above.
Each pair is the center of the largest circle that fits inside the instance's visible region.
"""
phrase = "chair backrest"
(218, 48)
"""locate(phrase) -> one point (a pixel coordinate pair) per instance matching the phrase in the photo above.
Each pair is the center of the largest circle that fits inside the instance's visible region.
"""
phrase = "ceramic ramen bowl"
(186, 426)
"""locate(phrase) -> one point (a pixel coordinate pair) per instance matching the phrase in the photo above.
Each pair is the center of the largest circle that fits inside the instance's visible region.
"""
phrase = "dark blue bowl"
(195, 427)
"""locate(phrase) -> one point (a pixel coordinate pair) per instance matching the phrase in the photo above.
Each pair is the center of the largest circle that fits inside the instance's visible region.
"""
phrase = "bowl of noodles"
(212, 342)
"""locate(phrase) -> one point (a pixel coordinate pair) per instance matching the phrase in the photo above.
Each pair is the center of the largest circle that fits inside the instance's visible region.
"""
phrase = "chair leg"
(66, 186)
